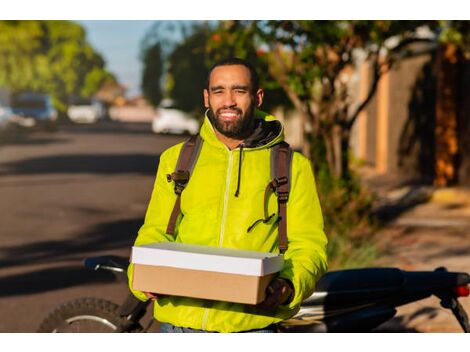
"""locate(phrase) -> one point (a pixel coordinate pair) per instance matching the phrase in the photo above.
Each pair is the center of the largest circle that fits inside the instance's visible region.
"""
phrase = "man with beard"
(223, 205)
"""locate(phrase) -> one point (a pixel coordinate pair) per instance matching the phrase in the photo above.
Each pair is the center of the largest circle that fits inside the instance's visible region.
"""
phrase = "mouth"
(229, 115)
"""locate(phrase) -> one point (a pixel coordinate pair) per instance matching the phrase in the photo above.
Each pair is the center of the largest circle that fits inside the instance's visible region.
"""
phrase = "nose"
(229, 100)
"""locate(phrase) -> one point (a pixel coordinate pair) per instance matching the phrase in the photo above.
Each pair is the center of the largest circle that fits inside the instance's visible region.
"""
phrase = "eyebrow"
(245, 87)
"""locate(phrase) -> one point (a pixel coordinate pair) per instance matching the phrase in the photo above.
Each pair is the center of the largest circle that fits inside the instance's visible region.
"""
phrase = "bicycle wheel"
(84, 315)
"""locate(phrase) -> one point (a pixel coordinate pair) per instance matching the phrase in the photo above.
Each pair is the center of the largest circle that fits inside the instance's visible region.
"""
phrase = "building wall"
(396, 126)
(411, 116)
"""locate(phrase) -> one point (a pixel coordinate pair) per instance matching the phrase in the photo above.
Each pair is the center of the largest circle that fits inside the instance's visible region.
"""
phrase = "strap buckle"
(180, 176)
(279, 181)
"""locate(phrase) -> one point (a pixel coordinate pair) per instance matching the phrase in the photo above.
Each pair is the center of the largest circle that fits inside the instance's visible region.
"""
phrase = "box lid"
(196, 257)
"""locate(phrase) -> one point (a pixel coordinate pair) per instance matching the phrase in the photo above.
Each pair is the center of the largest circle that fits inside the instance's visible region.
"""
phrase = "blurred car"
(33, 109)
(6, 115)
(171, 120)
(85, 110)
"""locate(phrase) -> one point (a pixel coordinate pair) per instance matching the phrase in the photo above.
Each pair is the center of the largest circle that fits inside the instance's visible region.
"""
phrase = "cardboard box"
(221, 274)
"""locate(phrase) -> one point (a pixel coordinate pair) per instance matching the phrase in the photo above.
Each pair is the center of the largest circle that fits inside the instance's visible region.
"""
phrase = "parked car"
(34, 109)
(169, 119)
(83, 110)
(6, 115)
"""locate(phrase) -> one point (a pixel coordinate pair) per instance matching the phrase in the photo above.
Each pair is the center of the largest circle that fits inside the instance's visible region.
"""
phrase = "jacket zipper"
(204, 319)
(226, 195)
(222, 226)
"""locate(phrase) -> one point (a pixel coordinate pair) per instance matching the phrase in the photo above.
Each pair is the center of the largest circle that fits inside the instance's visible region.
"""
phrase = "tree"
(452, 146)
(310, 61)
(52, 57)
(186, 56)
(156, 47)
(152, 73)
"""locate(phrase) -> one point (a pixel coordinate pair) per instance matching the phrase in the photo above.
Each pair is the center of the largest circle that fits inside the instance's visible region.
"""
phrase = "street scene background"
(76, 177)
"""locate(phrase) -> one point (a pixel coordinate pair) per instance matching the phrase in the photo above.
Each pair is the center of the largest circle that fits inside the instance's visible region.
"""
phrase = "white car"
(168, 120)
(86, 111)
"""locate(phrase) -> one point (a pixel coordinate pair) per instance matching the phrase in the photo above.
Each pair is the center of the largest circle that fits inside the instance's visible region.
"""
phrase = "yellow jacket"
(213, 216)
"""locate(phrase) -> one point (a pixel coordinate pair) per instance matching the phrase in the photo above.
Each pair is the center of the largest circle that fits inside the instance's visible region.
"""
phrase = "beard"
(237, 129)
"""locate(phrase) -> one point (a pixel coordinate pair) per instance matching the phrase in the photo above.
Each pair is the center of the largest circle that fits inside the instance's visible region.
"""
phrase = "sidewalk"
(425, 228)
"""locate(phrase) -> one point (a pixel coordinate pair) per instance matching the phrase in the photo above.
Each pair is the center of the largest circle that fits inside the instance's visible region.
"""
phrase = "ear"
(259, 97)
(206, 98)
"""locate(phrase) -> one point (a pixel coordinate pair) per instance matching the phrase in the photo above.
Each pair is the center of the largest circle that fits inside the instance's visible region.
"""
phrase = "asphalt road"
(65, 195)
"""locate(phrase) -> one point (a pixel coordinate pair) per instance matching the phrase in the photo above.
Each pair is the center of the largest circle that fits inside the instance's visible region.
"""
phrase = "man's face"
(231, 100)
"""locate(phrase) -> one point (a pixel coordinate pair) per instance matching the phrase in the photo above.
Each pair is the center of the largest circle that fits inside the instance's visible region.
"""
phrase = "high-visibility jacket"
(212, 215)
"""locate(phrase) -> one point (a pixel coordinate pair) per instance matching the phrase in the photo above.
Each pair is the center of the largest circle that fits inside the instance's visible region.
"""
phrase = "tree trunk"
(337, 150)
(464, 124)
(345, 137)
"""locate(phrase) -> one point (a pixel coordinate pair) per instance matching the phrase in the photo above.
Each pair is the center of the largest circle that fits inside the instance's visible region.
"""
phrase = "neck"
(231, 143)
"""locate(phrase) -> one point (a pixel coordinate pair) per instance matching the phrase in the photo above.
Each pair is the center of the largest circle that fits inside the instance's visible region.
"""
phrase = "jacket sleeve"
(306, 255)
(158, 213)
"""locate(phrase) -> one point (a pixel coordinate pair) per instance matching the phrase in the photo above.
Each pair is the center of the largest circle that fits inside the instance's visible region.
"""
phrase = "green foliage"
(457, 33)
(157, 46)
(346, 208)
(185, 59)
(151, 74)
(52, 57)
(187, 71)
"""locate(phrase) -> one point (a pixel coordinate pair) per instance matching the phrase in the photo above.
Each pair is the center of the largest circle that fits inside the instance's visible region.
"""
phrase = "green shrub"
(346, 210)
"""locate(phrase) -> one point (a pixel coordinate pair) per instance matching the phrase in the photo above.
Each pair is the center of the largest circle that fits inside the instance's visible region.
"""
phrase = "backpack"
(280, 164)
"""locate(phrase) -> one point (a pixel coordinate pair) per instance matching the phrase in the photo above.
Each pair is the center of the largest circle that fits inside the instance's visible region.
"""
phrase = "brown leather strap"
(174, 216)
(281, 157)
(184, 167)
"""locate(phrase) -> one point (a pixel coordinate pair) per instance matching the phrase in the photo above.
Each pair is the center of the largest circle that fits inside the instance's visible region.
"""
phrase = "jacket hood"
(268, 131)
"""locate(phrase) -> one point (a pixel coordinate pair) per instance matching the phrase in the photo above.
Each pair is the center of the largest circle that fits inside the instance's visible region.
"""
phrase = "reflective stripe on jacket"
(213, 216)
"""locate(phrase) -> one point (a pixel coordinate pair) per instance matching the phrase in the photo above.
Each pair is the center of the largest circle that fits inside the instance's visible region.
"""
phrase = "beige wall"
(387, 131)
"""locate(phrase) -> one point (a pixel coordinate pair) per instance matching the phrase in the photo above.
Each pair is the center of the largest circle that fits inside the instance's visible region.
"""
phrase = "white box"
(204, 272)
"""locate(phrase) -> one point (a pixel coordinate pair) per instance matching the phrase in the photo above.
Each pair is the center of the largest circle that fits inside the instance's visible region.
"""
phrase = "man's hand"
(151, 296)
(279, 291)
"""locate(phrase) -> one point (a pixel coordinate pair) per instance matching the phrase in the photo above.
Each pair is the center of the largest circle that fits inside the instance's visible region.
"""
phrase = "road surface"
(80, 191)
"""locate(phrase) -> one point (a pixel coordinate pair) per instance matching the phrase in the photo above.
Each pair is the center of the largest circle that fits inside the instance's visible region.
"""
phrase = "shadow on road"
(50, 279)
(103, 237)
(85, 163)
(23, 138)
(389, 210)
(111, 237)
(109, 127)
(462, 251)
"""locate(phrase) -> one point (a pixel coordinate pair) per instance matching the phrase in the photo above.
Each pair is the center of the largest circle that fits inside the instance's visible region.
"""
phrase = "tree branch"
(377, 74)
(282, 78)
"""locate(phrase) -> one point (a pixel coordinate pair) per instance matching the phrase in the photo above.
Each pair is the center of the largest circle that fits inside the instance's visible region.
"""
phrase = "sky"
(119, 44)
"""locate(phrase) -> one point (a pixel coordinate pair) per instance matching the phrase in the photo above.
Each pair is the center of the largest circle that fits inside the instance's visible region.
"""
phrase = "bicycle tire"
(85, 315)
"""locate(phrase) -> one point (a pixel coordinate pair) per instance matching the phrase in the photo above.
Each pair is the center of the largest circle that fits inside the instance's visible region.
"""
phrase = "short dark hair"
(254, 78)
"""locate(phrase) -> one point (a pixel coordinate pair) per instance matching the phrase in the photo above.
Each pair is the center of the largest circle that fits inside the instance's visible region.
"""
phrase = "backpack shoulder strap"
(184, 167)
(281, 172)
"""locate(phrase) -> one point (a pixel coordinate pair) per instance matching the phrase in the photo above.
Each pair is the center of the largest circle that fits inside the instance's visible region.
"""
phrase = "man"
(223, 200)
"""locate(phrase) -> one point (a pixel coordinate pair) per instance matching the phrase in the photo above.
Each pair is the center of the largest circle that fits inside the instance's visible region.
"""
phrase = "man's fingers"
(150, 295)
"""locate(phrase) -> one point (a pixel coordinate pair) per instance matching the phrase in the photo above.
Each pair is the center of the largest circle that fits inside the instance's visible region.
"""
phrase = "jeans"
(169, 328)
